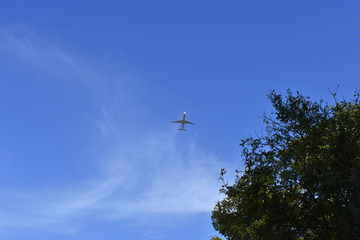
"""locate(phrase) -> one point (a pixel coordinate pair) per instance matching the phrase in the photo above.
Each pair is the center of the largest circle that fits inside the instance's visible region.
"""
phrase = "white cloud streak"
(150, 173)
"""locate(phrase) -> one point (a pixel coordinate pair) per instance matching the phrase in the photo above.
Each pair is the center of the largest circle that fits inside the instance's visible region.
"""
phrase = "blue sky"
(87, 91)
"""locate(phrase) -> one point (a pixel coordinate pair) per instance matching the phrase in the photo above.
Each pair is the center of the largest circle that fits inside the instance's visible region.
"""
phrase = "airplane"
(183, 121)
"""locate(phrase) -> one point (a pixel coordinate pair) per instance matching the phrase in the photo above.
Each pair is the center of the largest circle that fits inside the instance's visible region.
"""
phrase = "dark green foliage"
(302, 180)
(215, 238)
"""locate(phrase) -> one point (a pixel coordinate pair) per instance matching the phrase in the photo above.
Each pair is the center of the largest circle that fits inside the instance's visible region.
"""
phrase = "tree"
(301, 179)
(215, 238)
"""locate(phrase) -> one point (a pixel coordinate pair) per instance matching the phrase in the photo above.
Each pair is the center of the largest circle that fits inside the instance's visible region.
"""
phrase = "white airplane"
(183, 121)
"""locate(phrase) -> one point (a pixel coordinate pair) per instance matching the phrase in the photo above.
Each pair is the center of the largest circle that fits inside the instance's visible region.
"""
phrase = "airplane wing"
(176, 121)
(187, 121)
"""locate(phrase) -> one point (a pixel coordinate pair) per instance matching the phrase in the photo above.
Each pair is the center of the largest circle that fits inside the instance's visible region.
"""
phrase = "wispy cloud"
(148, 173)
(155, 176)
(24, 44)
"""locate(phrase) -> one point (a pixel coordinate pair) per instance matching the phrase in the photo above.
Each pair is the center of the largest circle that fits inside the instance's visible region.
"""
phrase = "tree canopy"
(301, 179)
